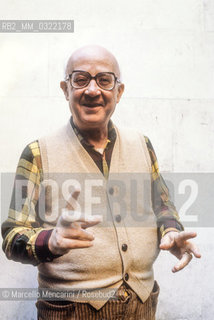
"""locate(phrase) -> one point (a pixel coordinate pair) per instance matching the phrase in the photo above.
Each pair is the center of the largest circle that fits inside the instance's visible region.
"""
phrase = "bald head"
(93, 55)
(92, 104)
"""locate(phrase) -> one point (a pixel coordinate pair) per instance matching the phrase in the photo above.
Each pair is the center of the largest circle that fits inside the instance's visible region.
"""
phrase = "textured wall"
(166, 52)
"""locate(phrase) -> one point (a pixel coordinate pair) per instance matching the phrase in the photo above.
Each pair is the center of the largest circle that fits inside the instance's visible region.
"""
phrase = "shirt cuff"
(168, 230)
(41, 247)
(170, 225)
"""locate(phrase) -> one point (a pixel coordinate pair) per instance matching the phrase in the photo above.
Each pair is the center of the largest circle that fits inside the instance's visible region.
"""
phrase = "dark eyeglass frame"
(116, 80)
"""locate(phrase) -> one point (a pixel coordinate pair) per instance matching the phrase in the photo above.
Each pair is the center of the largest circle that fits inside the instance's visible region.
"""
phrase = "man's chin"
(92, 111)
(91, 121)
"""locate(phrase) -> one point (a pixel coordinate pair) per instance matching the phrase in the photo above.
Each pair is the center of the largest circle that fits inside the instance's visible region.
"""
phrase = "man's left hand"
(177, 243)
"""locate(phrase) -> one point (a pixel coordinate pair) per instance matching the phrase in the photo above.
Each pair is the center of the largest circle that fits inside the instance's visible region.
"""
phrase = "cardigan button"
(118, 218)
(124, 247)
(111, 191)
(126, 277)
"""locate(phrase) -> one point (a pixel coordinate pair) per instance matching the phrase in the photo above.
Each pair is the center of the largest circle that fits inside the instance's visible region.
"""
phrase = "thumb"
(72, 201)
(166, 243)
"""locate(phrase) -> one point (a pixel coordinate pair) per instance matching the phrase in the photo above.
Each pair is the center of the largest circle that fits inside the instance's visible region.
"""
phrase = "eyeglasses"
(81, 79)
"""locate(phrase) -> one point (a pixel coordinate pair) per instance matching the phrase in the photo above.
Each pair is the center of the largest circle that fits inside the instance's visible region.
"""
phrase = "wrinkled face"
(92, 106)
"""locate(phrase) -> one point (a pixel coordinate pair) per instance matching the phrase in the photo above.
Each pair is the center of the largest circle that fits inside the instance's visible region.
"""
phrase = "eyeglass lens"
(81, 79)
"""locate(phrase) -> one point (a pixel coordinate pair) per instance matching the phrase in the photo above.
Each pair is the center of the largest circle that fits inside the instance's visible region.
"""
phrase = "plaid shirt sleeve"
(24, 238)
(164, 209)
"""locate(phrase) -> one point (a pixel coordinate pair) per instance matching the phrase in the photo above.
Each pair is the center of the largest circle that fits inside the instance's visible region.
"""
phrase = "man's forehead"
(92, 56)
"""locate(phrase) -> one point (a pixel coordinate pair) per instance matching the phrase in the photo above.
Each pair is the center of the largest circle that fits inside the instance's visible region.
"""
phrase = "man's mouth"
(92, 105)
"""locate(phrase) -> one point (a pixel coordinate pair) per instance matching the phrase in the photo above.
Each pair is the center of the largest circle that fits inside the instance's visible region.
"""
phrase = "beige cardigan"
(127, 192)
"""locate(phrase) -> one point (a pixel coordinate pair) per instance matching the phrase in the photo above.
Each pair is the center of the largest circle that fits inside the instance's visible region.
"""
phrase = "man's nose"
(93, 89)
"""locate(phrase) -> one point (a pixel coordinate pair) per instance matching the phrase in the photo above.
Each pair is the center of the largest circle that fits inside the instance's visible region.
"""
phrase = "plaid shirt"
(24, 238)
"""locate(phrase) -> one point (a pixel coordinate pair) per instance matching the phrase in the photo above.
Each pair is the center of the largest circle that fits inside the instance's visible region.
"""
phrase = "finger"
(75, 244)
(166, 242)
(186, 235)
(69, 216)
(75, 233)
(186, 258)
(192, 248)
(88, 224)
(71, 203)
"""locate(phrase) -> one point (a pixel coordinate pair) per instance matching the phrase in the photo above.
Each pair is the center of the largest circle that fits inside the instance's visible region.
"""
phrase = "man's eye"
(104, 80)
(80, 80)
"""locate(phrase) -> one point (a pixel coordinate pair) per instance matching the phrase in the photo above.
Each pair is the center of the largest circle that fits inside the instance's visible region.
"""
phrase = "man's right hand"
(70, 232)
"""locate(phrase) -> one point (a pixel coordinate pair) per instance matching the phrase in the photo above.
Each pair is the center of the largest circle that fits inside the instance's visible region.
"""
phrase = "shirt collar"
(111, 133)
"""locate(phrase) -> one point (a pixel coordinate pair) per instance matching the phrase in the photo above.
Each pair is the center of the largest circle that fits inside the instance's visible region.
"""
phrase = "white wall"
(166, 52)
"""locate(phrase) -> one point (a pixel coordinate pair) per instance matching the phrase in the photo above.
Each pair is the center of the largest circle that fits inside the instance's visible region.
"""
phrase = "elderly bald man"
(118, 250)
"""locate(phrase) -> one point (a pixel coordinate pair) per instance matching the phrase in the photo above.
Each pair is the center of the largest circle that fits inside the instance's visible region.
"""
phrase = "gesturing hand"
(177, 243)
(70, 232)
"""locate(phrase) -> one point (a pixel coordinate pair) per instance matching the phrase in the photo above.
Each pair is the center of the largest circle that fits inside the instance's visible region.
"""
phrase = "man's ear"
(120, 91)
(64, 87)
